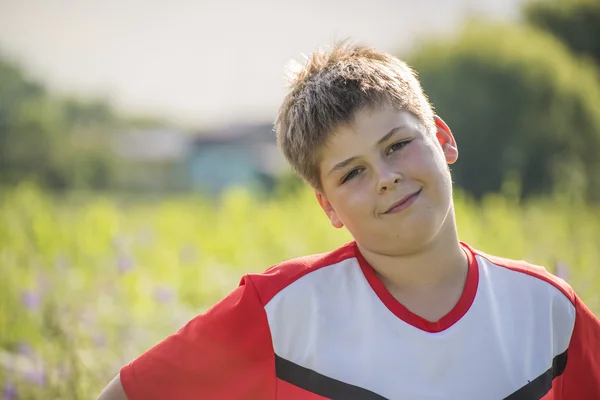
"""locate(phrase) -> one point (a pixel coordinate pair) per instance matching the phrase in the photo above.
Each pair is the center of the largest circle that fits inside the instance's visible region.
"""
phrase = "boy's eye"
(351, 174)
(397, 146)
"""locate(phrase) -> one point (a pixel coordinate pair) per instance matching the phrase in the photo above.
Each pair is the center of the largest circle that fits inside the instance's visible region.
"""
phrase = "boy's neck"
(443, 262)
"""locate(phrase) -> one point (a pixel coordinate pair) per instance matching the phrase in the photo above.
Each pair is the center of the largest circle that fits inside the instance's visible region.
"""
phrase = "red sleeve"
(581, 378)
(225, 353)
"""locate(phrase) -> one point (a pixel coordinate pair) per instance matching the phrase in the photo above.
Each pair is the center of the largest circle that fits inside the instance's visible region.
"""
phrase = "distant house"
(150, 159)
(241, 155)
(206, 161)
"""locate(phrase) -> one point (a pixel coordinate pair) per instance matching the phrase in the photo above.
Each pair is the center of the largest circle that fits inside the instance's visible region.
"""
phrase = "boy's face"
(387, 180)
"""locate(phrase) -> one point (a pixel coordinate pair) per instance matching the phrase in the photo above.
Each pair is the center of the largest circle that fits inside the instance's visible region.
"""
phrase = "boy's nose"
(388, 182)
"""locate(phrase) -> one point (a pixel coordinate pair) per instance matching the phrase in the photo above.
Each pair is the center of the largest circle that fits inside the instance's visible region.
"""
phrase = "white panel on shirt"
(331, 321)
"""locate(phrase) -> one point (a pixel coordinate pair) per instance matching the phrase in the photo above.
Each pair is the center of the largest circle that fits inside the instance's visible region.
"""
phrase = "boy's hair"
(328, 90)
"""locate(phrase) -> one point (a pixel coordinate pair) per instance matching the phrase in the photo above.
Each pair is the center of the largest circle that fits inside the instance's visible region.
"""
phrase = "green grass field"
(88, 283)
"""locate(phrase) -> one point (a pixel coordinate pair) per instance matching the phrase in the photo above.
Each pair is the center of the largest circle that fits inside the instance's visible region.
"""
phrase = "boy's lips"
(403, 203)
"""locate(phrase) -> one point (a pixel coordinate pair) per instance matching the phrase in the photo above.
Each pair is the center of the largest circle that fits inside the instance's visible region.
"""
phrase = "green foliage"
(519, 106)
(88, 283)
(59, 143)
(575, 22)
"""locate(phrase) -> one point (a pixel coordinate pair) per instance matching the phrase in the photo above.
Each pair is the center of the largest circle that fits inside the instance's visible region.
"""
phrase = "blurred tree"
(575, 22)
(94, 112)
(57, 143)
(28, 125)
(520, 106)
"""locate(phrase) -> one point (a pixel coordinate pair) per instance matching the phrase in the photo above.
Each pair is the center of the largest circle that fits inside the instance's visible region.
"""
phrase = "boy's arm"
(581, 378)
(226, 352)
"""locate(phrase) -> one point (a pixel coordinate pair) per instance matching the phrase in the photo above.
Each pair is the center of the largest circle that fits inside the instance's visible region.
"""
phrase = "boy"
(406, 310)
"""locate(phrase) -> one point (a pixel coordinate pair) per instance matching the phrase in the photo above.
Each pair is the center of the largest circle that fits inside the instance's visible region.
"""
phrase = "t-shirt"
(325, 327)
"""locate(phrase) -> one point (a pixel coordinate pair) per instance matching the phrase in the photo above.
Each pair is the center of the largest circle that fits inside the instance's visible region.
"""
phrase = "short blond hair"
(327, 92)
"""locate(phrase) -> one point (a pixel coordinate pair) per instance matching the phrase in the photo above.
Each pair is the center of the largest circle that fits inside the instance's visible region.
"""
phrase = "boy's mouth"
(403, 203)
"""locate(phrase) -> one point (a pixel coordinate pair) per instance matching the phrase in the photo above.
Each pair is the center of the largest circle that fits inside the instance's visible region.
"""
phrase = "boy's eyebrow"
(343, 164)
(391, 133)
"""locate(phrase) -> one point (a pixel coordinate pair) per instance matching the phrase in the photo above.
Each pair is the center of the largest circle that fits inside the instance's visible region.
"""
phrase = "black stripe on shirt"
(322, 385)
(537, 388)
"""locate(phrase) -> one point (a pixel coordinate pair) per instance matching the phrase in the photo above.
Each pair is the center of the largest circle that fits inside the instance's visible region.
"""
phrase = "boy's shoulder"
(527, 268)
(279, 276)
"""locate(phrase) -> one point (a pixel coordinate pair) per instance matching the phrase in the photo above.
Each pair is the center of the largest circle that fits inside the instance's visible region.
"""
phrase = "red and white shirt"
(325, 327)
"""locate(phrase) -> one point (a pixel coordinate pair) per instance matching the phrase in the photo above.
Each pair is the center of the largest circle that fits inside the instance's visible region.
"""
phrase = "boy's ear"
(329, 210)
(446, 140)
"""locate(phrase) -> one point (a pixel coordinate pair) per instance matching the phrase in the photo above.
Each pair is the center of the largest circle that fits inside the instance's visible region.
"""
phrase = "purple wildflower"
(25, 349)
(31, 300)
(37, 376)
(99, 340)
(164, 294)
(124, 263)
(9, 392)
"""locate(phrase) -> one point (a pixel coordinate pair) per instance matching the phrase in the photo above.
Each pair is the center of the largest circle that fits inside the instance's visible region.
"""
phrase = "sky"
(208, 63)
